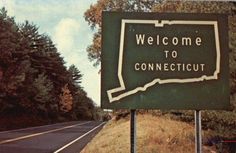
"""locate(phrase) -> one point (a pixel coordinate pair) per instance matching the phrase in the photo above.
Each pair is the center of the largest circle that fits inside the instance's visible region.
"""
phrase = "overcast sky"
(63, 21)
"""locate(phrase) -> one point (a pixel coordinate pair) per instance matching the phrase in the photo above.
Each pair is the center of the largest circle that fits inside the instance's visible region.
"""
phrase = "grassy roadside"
(154, 135)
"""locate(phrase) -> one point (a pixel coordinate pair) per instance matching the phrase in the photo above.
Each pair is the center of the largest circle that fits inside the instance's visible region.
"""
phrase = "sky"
(63, 21)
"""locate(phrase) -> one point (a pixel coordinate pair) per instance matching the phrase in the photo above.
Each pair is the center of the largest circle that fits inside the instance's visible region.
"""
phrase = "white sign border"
(157, 23)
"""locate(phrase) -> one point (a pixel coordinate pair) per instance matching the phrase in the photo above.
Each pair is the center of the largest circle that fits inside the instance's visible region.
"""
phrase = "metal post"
(133, 131)
(198, 132)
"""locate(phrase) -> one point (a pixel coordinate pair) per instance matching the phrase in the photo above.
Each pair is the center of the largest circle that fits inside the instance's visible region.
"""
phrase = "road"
(70, 137)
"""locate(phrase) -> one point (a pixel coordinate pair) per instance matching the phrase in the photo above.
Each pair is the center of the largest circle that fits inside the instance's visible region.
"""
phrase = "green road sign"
(164, 61)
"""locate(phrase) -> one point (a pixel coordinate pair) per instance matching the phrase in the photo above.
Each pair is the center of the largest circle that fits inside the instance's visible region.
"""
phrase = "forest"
(35, 85)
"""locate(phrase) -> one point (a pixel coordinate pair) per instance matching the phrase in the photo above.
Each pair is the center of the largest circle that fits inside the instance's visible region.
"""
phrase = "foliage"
(65, 99)
(94, 15)
(43, 86)
(84, 107)
(76, 75)
(33, 77)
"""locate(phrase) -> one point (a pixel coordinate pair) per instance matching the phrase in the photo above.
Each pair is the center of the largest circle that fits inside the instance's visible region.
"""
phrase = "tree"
(44, 59)
(43, 87)
(75, 75)
(43, 53)
(33, 77)
(8, 36)
(66, 100)
(94, 18)
(13, 70)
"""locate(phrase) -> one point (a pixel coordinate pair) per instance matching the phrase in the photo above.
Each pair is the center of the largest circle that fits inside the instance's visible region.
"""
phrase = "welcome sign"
(164, 61)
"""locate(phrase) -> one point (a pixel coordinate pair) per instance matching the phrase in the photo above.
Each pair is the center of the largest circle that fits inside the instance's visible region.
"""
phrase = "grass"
(154, 135)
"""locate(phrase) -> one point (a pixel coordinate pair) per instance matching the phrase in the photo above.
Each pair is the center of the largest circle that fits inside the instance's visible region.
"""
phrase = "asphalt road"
(70, 137)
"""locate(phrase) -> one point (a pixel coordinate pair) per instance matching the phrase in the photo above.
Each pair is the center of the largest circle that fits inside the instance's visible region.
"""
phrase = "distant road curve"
(69, 137)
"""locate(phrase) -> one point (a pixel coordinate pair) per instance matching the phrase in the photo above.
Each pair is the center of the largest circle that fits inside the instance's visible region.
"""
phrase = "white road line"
(65, 146)
(41, 133)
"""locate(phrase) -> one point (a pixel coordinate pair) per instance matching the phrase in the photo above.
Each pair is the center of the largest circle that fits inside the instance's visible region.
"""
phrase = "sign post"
(169, 61)
(133, 131)
(198, 131)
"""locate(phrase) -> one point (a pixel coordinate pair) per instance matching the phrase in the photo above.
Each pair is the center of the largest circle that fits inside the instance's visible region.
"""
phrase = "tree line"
(33, 77)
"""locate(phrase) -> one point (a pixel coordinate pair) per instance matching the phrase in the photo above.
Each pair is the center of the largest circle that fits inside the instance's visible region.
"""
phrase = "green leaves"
(33, 75)
(43, 87)
(75, 75)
